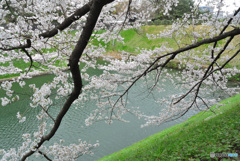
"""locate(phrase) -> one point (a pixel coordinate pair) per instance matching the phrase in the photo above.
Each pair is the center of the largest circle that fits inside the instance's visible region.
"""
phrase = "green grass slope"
(194, 139)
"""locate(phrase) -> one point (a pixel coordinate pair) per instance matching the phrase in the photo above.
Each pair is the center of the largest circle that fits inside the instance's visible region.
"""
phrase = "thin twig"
(43, 154)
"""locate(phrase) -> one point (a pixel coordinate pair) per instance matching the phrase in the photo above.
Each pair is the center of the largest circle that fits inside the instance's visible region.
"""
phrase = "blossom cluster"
(200, 74)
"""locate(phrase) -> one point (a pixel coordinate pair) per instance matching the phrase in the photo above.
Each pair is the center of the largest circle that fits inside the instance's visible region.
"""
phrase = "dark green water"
(112, 137)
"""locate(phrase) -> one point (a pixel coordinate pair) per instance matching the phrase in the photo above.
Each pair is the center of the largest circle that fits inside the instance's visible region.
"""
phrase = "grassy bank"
(24, 66)
(134, 40)
(194, 139)
(137, 39)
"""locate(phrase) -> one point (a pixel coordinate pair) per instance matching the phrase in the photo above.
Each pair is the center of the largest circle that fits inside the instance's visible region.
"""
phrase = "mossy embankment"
(194, 139)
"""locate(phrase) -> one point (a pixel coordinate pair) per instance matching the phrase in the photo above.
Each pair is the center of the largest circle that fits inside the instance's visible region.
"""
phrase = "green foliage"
(194, 139)
(184, 6)
(235, 78)
(161, 22)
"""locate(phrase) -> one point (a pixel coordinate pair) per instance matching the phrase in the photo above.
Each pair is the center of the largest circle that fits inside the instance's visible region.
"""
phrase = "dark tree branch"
(225, 27)
(206, 73)
(219, 54)
(184, 112)
(205, 104)
(23, 48)
(94, 8)
(74, 68)
(31, 60)
(199, 84)
(175, 53)
(43, 154)
(206, 41)
(126, 16)
(220, 68)
(46, 111)
(65, 24)
(10, 8)
(64, 12)
(28, 45)
(68, 21)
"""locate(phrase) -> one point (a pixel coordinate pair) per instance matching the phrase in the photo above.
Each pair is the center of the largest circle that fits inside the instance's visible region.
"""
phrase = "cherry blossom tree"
(46, 31)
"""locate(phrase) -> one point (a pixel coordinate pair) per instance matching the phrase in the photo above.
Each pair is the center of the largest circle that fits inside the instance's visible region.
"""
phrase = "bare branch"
(28, 45)
(175, 53)
(48, 113)
(225, 27)
(68, 21)
(43, 154)
(31, 60)
(206, 75)
(205, 104)
(125, 19)
(229, 60)
(206, 41)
